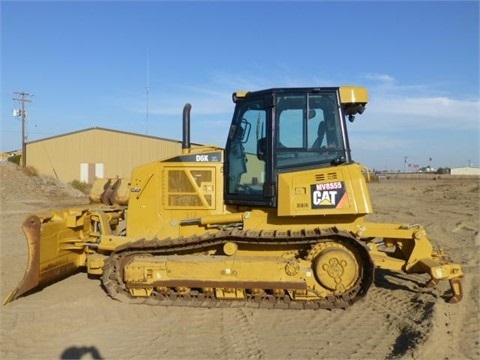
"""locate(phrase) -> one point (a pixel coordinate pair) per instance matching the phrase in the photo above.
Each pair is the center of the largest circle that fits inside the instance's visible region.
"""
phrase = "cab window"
(246, 166)
(308, 130)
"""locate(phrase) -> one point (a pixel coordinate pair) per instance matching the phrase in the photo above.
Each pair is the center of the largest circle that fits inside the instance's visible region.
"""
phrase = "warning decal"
(328, 195)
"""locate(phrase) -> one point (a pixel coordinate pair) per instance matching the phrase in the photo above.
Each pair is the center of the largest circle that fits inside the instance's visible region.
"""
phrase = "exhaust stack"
(186, 128)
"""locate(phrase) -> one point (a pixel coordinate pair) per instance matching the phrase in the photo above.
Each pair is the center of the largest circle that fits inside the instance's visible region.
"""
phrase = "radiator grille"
(330, 176)
(185, 188)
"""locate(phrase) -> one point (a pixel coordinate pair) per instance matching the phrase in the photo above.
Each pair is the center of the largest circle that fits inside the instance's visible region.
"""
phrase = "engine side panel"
(163, 194)
(326, 191)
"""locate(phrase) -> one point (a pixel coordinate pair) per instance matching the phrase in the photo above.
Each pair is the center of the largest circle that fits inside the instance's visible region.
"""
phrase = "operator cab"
(284, 130)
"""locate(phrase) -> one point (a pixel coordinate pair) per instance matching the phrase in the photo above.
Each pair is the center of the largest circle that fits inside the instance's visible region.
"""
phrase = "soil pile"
(17, 183)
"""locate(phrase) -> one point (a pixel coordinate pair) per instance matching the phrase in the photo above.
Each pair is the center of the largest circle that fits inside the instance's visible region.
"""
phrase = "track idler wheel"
(335, 267)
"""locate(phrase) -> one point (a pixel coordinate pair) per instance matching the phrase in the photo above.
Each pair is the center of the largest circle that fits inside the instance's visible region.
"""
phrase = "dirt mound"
(17, 183)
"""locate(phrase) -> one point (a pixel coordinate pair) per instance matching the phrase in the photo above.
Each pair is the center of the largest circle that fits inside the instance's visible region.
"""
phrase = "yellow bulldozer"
(275, 219)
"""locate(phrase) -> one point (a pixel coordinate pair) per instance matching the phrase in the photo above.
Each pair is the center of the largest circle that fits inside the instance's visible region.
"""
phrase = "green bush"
(82, 186)
(15, 159)
(442, 171)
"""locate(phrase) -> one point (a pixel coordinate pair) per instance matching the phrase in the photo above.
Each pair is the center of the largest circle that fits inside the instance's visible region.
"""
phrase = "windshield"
(309, 130)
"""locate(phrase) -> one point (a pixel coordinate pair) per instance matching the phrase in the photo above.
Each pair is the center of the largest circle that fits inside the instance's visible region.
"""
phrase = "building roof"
(109, 130)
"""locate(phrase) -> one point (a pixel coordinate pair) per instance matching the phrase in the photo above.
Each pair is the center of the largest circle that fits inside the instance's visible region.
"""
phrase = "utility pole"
(23, 114)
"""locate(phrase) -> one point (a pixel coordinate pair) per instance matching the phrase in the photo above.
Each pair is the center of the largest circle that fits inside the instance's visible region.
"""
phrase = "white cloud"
(383, 78)
(423, 113)
(392, 107)
(416, 106)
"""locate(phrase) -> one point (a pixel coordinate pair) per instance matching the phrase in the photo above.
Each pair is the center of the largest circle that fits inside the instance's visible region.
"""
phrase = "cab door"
(249, 173)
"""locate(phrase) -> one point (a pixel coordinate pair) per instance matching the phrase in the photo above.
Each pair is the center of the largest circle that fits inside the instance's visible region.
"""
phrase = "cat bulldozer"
(276, 219)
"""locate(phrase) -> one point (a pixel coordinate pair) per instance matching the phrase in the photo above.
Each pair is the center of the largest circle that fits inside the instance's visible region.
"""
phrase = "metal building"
(465, 171)
(97, 152)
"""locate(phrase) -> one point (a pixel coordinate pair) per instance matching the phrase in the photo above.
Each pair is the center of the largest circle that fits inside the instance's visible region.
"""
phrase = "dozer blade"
(49, 260)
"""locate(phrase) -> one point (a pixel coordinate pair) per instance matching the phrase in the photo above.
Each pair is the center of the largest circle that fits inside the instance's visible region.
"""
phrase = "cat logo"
(328, 195)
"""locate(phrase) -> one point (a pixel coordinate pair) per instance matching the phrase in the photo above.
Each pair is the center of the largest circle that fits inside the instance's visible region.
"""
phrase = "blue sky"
(89, 64)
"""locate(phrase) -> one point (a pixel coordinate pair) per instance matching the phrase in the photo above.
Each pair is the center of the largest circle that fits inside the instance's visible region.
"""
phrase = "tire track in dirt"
(467, 330)
(238, 338)
(455, 331)
(376, 327)
(407, 314)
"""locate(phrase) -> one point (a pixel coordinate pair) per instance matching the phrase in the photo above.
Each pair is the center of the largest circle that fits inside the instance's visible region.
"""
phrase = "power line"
(22, 112)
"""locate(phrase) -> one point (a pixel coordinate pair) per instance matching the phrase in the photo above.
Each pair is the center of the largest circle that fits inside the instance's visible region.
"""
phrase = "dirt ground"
(399, 318)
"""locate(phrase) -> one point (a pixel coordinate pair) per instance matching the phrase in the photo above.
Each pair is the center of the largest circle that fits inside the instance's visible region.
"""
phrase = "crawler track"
(303, 240)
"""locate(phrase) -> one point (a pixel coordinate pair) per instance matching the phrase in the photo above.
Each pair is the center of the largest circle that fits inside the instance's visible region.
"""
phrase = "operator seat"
(238, 160)
(320, 135)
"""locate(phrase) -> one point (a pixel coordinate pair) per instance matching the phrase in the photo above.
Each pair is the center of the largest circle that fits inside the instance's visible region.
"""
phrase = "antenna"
(148, 91)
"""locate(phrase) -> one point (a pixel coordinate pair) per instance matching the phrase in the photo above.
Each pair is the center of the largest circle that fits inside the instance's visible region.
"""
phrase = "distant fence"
(426, 176)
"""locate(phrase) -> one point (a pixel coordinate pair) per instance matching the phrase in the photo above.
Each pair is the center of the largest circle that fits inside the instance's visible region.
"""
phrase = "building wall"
(465, 171)
(65, 156)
